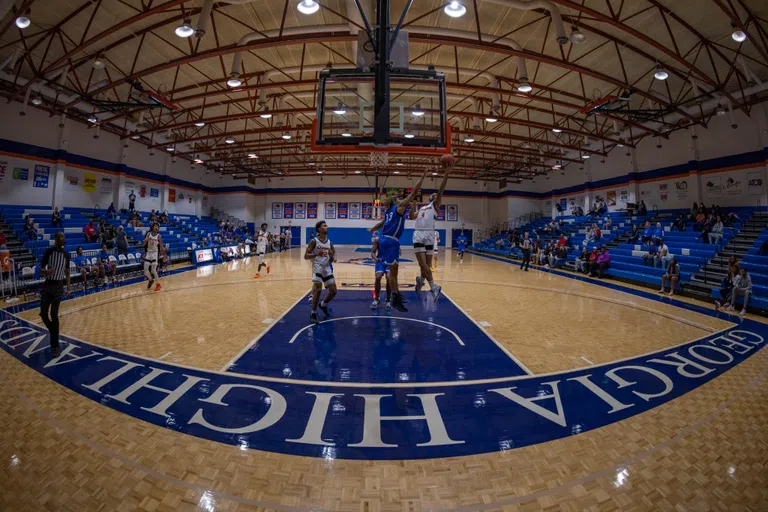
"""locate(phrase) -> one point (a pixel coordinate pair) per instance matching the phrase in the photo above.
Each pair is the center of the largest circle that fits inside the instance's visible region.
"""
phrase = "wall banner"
(300, 210)
(20, 174)
(3, 167)
(330, 210)
(106, 185)
(610, 198)
(343, 210)
(367, 211)
(154, 192)
(453, 213)
(354, 210)
(42, 172)
(311, 210)
(441, 213)
(288, 211)
(171, 195)
(734, 186)
(89, 182)
(277, 210)
(754, 182)
(714, 186)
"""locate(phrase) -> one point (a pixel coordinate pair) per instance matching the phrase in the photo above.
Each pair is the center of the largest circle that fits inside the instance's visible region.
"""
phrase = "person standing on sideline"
(131, 201)
(525, 246)
(55, 268)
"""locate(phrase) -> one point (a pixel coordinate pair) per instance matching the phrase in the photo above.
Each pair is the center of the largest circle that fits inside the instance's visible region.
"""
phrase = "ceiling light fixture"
(185, 30)
(200, 124)
(234, 81)
(738, 35)
(37, 100)
(171, 148)
(577, 36)
(346, 134)
(417, 112)
(358, 172)
(720, 110)
(409, 135)
(99, 62)
(399, 164)
(455, 9)
(340, 110)
(198, 161)
(92, 119)
(253, 155)
(308, 7)
(229, 140)
(135, 137)
(584, 156)
(265, 115)
(434, 174)
(524, 85)
(491, 119)
(469, 139)
(319, 172)
(396, 172)
(556, 130)
(286, 136)
(661, 73)
(22, 22)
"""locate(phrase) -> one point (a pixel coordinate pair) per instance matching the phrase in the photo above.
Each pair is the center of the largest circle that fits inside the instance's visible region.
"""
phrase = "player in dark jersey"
(392, 227)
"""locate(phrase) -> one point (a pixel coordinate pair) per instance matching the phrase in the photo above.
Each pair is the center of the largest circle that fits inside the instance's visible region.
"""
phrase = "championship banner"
(288, 211)
(343, 210)
(330, 210)
(354, 210)
(367, 210)
(300, 210)
(453, 213)
(89, 182)
(610, 198)
(106, 185)
(311, 210)
(441, 213)
(143, 192)
(41, 176)
(154, 192)
(3, 167)
(277, 210)
(171, 195)
(20, 173)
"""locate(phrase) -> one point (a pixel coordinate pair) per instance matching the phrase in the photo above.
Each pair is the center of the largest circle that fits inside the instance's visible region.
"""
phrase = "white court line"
(374, 316)
(587, 360)
(502, 347)
(265, 331)
(164, 356)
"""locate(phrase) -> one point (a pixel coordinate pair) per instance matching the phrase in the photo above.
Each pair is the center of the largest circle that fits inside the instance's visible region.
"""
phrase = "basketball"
(446, 161)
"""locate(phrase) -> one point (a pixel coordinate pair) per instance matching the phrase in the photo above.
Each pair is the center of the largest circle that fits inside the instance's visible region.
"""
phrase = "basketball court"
(507, 390)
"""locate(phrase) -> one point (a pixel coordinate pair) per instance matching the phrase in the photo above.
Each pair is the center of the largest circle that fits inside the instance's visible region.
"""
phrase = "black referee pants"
(526, 259)
(51, 293)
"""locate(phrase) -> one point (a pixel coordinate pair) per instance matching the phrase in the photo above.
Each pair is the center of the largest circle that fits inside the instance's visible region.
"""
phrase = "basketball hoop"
(379, 159)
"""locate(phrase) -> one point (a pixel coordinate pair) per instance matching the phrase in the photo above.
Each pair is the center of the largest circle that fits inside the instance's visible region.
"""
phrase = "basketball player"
(392, 227)
(153, 245)
(461, 243)
(263, 237)
(381, 269)
(322, 253)
(425, 238)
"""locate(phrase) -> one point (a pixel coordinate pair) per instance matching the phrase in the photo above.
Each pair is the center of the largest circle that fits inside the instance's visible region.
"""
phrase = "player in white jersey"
(153, 247)
(263, 238)
(424, 233)
(322, 253)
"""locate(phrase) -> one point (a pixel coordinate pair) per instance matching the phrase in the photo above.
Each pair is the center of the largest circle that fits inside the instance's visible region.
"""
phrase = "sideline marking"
(372, 316)
(164, 355)
(265, 331)
(587, 360)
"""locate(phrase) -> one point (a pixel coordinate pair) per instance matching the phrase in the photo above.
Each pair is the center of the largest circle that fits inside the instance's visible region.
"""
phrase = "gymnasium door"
(295, 234)
(455, 234)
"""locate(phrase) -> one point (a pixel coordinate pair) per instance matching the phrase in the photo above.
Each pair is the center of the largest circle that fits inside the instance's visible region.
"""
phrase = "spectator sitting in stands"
(648, 233)
(679, 224)
(91, 233)
(634, 235)
(602, 209)
(582, 262)
(608, 225)
(121, 241)
(716, 236)
(601, 264)
(211, 243)
(649, 259)
(672, 275)
(705, 230)
(83, 265)
(726, 290)
(109, 236)
(499, 243)
(111, 211)
(700, 219)
(593, 211)
(662, 258)
(562, 241)
(105, 264)
(642, 210)
(658, 233)
(29, 228)
(56, 218)
(694, 212)
(561, 255)
(589, 237)
(733, 266)
(578, 211)
(102, 231)
(164, 217)
(742, 285)
(597, 232)
(153, 217)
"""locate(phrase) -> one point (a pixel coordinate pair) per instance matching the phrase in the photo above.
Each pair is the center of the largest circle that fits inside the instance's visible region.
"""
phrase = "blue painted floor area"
(357, 344)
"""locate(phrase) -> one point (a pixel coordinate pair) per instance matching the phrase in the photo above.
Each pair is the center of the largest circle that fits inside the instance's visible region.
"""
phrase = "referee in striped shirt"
(55, 268)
